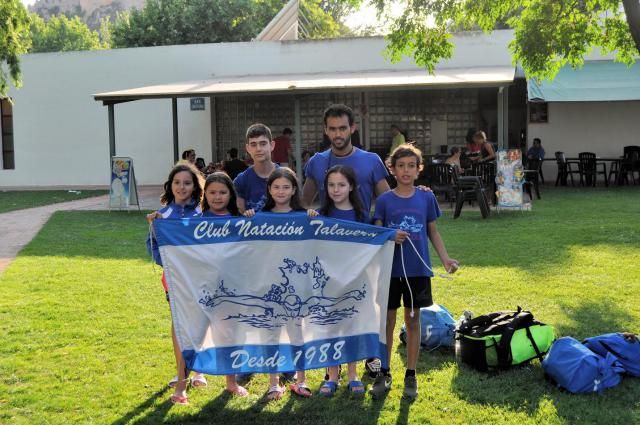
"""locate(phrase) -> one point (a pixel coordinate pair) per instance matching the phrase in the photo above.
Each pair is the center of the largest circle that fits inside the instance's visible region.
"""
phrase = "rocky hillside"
(90, 11)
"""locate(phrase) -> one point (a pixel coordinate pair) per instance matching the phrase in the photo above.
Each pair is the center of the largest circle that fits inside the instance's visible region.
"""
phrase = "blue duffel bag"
(625, 347)
(437, 328)
(575, 368)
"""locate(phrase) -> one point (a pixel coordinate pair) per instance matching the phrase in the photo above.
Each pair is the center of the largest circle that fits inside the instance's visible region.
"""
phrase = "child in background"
(283, 196)
(414, 213)
(251, 184)
(341, 201)
(220, 201)
(181, 199)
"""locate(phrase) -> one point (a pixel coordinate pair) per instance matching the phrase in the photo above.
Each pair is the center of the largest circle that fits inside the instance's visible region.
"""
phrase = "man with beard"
(370, 171)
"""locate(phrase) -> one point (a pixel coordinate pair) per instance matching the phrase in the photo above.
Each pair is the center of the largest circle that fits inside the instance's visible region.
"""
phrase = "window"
(538, 112)
(6, 128)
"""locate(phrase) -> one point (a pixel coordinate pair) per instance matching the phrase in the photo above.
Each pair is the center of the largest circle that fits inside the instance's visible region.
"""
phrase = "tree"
(168, 22)
(62, 34)
(323, 18)
(14, 41)
(548, 34)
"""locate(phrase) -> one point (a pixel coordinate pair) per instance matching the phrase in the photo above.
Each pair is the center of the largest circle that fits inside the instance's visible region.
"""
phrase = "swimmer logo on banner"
(277, 292)
(123, 191)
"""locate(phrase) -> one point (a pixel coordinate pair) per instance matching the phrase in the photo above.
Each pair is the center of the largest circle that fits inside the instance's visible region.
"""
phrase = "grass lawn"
(21, 199)
(85, 328)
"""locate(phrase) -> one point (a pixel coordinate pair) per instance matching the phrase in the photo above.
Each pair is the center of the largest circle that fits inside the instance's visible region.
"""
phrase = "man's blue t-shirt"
(368, 167)
(252, 188)
(411, 215)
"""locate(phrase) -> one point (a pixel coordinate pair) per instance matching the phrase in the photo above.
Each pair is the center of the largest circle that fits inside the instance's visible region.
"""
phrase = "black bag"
(502, 339)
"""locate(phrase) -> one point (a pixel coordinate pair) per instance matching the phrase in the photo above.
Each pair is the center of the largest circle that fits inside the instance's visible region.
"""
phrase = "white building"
(57, 134)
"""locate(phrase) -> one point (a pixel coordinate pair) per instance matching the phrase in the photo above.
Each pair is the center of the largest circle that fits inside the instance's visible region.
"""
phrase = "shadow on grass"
(524, 388)
(593, 318)
(315, 410)
(161, 411)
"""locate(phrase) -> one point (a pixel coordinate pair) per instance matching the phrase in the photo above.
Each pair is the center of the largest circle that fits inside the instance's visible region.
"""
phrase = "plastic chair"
(589, 169)
(440, 178)
(487, 173)
(531, 175)
(565, 169)
(470, 188)
(631, 162)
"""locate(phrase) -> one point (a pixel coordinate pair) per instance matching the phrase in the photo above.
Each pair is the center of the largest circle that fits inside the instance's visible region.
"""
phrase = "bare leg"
(181, 369)
(300, 376)
(274, 379)
(333, 373)
(391, 324)
(412, 324)
(352, 371)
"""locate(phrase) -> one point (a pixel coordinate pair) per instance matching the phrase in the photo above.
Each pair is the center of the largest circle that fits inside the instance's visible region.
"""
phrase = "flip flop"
(328, 389)
(182, 400)
(238, 391)
(198, 381)
(356, 387)
(301, 390)
(275, 393)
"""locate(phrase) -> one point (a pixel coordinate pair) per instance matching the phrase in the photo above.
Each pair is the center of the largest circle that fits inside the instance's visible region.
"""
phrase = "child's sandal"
(356, 387)
(275, 393)
(239, 391)
(328, 389)
(198, 381)
(179, 399)
(301, 390)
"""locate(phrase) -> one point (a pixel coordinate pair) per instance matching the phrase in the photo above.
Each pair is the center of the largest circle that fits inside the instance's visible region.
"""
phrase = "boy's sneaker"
(373, 367)
(380, 386)
(410, 388)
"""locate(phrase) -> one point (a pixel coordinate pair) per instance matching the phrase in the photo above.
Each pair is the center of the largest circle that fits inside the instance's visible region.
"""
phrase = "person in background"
(536, 151)
(282, 154)
(398, 138)
(454, 159)
(485, 148)
(233, 166)
(189, 156)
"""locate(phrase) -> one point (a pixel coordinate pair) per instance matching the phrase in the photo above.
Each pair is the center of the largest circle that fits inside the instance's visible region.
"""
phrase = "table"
(617, 161)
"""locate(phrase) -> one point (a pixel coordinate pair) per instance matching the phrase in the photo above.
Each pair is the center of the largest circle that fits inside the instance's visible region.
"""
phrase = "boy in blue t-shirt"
(251, 184)
(414, 213)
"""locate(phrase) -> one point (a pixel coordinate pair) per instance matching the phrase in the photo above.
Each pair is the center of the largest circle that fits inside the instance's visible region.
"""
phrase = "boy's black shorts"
(420, 288)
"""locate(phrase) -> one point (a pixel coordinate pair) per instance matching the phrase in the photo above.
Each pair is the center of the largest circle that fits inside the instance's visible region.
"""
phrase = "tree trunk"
(632, 10)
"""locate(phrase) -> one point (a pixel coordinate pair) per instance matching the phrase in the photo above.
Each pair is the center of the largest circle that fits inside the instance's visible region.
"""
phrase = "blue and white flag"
(277, 292)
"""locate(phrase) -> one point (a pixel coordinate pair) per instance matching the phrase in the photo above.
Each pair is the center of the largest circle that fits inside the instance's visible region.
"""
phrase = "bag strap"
(533, 343)
(504, 346)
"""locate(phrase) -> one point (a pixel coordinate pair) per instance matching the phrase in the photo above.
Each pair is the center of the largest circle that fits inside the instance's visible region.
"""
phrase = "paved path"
(18, 228)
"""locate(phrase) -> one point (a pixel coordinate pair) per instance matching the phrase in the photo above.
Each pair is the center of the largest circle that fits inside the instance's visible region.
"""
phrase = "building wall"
(600, 127)
(60, 131)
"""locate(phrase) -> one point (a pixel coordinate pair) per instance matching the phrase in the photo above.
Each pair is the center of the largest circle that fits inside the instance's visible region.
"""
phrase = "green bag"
(502, 339)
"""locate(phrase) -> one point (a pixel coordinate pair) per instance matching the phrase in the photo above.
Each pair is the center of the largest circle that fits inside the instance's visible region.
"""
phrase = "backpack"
(437, 328)
(572, 366)
(625, 348)
(502, 339)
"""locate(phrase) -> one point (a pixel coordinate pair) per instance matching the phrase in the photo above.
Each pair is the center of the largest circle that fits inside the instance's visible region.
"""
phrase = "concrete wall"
(600, 127)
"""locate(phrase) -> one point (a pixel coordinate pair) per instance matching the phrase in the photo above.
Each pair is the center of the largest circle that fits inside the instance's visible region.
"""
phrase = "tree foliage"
(14, 41)
(548, 34)
(324, 18)
(62, 34)
(168, 22)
